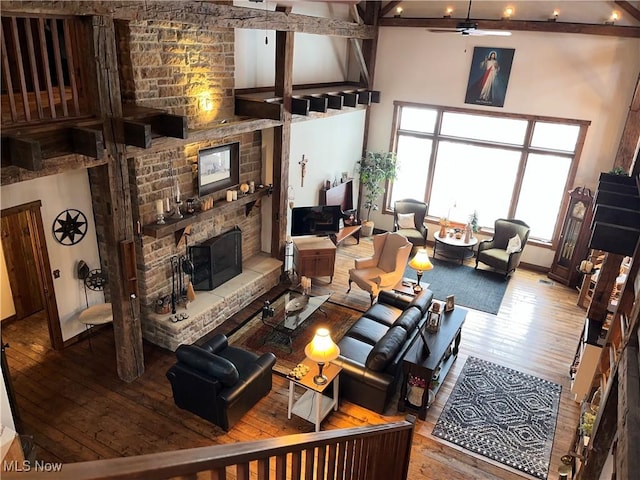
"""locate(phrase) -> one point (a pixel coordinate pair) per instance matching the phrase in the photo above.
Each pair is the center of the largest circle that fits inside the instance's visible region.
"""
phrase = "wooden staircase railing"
(371, 452)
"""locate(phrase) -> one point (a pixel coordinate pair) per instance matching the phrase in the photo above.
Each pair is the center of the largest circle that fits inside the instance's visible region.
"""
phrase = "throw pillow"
(383, 352)
(406, 220)
(514, 244)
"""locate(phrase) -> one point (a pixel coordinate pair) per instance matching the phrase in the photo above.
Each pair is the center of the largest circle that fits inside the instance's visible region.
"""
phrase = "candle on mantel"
(159, 207)
(234, 194)
(167, 205)
(177, 193)
(229, 196)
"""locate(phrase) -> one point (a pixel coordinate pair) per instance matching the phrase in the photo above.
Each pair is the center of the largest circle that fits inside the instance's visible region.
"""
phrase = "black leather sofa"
(372, 350)
(219, 383)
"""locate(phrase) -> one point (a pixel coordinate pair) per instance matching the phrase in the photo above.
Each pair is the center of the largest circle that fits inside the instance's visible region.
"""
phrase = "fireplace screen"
(217, 260)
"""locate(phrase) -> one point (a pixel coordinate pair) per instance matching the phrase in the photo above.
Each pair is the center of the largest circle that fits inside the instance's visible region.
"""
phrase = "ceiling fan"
(469, 27)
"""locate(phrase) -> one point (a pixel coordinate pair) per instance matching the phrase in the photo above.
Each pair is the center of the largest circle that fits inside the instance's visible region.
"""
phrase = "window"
(501, 166)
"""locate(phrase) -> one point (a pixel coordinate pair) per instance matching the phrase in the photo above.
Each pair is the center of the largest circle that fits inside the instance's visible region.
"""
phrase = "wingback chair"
(218, 382)
(408, 220)
(496, 252)
(385, 268)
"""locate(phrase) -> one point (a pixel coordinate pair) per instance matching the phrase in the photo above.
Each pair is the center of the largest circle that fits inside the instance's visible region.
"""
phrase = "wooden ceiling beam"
(211, 14)
(630, 9)
(387, 8)
(517, 25)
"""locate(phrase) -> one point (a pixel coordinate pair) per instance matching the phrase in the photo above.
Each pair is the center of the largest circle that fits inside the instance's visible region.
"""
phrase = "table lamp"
(321, 349)
(420, 263)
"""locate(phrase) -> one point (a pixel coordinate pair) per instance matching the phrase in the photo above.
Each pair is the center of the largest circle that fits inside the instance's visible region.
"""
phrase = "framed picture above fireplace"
(218, 168)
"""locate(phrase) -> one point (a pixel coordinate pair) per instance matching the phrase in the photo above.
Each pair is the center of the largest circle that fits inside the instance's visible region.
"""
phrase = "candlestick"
(177, 193)
(167, 205)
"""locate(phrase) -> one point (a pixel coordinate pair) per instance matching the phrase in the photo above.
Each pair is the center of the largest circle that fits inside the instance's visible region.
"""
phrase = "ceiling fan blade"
(443, 30)
(497, 33)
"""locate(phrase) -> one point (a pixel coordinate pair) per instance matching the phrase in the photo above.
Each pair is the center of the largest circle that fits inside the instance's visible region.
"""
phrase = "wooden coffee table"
(453, 248)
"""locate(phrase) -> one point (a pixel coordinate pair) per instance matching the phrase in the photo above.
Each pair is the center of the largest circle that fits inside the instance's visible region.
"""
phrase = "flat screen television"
(318, 220)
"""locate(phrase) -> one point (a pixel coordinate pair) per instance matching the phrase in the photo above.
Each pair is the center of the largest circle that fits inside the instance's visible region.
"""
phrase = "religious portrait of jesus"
(489, 76)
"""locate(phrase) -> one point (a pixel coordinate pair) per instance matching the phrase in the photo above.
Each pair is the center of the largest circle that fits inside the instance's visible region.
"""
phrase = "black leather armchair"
(417, 233)
(218, 382)
(494, 252)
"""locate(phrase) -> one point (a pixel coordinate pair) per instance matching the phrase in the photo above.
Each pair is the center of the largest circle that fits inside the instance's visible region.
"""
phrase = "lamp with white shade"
(420, 263)
(321, 350)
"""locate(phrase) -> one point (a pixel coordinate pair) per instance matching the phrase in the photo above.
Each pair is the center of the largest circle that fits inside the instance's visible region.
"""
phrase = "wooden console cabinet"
(314, 257)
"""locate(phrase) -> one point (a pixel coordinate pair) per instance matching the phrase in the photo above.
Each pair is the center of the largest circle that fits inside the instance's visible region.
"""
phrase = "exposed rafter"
(630, 9)
(517, 25)
(211, 14)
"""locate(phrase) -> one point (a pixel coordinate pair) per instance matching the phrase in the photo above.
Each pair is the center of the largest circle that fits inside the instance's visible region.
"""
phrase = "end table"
(313, 397)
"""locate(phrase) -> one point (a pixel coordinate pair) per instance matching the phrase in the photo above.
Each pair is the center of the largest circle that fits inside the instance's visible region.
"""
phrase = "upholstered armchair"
(408, 220)
(385, 268)
(218, 382)
(503, 252)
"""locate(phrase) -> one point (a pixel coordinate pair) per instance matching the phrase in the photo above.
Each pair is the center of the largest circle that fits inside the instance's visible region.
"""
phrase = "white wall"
(58, 193)
(332, 145)
(7, 307)
(6, 415)
(583, 77)
(316, 58)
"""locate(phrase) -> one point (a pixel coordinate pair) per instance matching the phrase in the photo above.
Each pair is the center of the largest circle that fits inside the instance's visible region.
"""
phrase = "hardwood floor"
(75, 407)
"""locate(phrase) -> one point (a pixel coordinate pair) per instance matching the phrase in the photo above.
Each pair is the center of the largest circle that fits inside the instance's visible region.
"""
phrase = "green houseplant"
(374, 169)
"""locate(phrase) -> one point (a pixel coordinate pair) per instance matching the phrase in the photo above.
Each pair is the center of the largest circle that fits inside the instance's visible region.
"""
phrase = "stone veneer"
(173, 66)
(259, 274)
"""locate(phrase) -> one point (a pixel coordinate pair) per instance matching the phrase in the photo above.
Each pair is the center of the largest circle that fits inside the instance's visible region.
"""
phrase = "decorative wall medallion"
(70, 227)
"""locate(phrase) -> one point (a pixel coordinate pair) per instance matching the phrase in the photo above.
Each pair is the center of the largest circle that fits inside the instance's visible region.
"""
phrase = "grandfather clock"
(574, 238)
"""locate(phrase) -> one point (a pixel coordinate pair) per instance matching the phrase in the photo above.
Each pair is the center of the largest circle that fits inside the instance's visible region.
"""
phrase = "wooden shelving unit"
(614, 302)
(173, 225)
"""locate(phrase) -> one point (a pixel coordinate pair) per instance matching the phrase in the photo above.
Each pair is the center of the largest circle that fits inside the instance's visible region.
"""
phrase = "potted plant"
(374, 169)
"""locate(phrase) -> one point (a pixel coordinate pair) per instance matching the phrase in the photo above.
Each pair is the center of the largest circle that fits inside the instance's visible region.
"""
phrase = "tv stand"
(314, 257)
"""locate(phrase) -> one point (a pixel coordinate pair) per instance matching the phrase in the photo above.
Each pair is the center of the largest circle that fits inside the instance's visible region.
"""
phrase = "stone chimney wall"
(184, 69)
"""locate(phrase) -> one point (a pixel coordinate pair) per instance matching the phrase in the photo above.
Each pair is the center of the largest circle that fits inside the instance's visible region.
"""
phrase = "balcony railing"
(371, 452)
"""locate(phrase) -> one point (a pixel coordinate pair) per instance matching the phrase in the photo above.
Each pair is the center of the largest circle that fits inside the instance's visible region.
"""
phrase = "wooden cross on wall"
(303, 166)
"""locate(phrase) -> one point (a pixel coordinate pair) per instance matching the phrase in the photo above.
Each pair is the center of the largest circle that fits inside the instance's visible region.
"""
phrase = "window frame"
(525, 150)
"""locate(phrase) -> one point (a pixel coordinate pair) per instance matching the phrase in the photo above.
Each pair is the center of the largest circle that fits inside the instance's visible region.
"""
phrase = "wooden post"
(281, 142)
(113, 185)
(627, 460)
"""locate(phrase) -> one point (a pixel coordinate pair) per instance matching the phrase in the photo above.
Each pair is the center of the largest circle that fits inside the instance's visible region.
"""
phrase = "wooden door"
(22, 265)
(28, 267)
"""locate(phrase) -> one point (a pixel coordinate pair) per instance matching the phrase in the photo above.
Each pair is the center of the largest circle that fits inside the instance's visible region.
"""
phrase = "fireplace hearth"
(217, 260)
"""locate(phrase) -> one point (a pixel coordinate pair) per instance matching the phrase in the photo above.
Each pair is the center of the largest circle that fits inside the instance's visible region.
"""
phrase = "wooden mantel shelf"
(173, 225)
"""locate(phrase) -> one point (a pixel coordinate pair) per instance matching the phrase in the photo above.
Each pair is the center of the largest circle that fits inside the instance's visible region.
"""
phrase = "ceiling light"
(508, 12)
(615, 16)
(398, 12)
(448, 13)
(555, 15)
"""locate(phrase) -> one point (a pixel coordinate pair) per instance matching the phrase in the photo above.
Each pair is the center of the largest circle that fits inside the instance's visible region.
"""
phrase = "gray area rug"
(478, 289)
(502, 414)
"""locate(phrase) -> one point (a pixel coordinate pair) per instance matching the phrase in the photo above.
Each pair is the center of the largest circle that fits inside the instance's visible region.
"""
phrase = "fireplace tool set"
(182, 291)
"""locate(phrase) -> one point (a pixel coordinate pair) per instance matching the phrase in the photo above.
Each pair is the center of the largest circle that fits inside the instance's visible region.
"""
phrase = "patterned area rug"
(257, 337)
(502, 414)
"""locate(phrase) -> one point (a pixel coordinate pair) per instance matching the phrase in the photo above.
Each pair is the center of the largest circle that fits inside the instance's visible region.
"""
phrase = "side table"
(314, 257)
(313, 396)
(431, 364)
